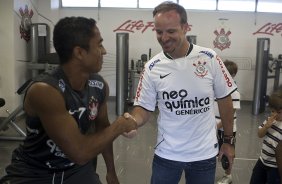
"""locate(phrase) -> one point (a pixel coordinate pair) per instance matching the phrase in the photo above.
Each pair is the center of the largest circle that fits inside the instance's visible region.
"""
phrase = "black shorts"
(21, 173)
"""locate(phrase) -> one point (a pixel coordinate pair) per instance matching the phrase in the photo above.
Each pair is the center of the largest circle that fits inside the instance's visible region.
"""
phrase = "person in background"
(67, 120)
(232, 69)
(265, 170)
(183, 80)
(278, 156)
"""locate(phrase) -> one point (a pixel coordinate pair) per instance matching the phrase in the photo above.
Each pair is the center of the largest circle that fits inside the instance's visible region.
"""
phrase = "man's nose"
(164, 37)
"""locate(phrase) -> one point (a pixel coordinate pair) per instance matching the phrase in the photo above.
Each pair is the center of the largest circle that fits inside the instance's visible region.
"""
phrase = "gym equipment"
(275, 67)
(263, 67)
(41, 61)
(41, 58)
(192, 39)
(260, 85)
(11, 120)
(134, 75)
(2, 102)
(121, 72)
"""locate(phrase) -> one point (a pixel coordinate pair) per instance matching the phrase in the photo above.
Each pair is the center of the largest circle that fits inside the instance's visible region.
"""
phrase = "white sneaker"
(226, 179)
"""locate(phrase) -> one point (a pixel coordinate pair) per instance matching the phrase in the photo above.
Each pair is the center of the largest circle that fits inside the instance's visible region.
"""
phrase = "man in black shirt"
(67, 121)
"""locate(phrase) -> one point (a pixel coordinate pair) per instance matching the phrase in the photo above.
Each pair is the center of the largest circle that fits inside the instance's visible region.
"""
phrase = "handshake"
(133, 132)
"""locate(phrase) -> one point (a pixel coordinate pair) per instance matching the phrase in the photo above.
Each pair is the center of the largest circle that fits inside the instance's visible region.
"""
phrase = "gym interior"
(253, 40)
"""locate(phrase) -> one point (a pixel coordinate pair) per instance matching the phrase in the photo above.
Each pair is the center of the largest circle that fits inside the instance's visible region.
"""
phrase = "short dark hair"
(231, 67)
(275, 100)
(70, 32)
(168, 6)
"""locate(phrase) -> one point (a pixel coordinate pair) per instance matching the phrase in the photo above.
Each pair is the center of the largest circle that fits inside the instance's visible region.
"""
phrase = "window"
(80, 3)
(228, 5)
(269, 6)
(198, 4)
(237, 5)
(150, 3)
(119, 3)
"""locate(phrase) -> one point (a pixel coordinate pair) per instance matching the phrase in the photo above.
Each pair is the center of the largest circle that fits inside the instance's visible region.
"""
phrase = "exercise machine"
(263, 68)
(41, 61)
(11, 119)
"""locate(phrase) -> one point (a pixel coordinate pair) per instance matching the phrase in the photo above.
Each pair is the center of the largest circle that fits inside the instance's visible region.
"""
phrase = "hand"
(229, 151)
(127, 115)
(112, 178)
(130, 134)
(271, 119)
(127, 124)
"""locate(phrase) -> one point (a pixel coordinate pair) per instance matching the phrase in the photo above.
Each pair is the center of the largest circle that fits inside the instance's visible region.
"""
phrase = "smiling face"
(171, 34)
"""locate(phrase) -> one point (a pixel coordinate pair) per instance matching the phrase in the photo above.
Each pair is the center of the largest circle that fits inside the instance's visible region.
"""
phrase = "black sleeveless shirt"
(41, 151)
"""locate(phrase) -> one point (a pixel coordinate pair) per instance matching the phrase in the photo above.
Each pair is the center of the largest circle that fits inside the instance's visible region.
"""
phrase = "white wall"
(241, 24)
(14, 53)
(7, 61)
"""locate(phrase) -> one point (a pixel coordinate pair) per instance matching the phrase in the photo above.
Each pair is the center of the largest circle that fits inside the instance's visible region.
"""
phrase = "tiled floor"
(133, 157)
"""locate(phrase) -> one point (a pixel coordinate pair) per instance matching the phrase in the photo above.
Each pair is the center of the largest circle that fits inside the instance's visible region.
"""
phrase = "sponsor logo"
(62, 85)
(178, 102)
(54, 149)
(139, 88)
(163, 76)
(270, 29)
(200, 70)
(207, 53)
(223, 69)
(132, 26)
(95, 83)
(153, 64)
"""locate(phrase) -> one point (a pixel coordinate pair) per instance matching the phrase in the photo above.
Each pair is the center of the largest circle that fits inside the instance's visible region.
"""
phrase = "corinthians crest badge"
(25, 23)
(201, 70)
(222, 40)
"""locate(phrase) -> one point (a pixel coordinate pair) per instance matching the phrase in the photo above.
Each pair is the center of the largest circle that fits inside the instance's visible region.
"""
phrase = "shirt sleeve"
(224, 85)
(236, 100)
(146, 93)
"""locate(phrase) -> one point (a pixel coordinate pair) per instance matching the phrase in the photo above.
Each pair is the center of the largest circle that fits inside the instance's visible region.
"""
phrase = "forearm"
(94, 144)
(140, 115)
(226, 114)
(262, 131)
(108, 156)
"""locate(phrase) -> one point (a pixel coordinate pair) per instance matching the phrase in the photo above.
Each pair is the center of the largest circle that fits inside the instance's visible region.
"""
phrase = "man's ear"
(78, 52)
(185, 27)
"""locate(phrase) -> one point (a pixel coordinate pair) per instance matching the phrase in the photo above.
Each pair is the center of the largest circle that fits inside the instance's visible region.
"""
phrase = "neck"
(76, 78)
(182, 52)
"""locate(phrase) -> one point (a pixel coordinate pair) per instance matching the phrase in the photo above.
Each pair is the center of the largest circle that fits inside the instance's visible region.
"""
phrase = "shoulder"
(41, 96)
(203, 51)
(156, 60)
(42, 90)
(96, 80)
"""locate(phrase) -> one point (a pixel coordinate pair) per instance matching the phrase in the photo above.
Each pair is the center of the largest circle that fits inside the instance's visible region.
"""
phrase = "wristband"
(229, 140)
